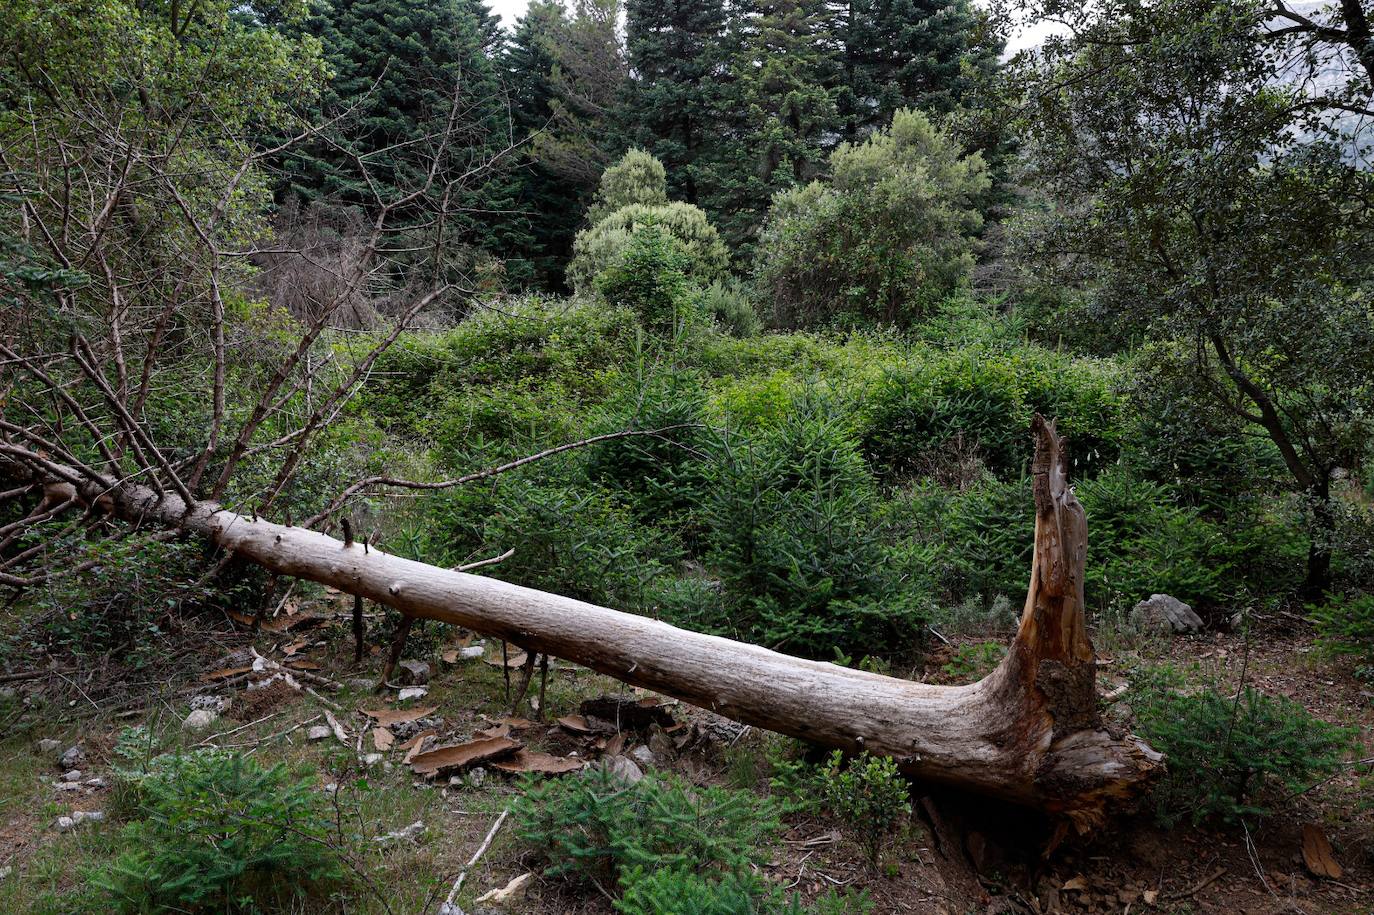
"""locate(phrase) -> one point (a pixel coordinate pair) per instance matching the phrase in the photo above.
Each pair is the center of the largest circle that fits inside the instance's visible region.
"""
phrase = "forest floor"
(956, 854)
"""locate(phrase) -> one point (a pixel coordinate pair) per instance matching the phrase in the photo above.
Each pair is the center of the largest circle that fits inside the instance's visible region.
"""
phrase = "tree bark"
(1028, 733)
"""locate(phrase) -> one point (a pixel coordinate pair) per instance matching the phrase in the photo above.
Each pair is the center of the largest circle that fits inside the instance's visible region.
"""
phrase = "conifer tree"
(677, 53)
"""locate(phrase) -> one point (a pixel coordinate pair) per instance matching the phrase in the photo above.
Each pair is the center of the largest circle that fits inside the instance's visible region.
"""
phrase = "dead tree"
(85, 365)
(1028, 732)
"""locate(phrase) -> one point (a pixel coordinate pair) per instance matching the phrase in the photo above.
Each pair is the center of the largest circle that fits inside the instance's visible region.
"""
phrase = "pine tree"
(785, 64)
(677, 53)
(400, 66)
(549, 207)
(906, 54)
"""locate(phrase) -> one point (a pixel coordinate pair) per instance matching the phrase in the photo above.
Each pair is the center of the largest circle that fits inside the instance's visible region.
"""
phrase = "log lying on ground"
(1028, 732)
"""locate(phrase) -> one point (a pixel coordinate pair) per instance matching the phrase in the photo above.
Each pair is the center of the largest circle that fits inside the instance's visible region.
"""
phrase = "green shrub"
(648, 276)
(975, 661)
(218, 831)
(868, 792)
(793, 534)
(636, 178)
(727, 302)
(1345, 626)
(1231, 756)
(1142, 542)
(592, 827)
(886, 239)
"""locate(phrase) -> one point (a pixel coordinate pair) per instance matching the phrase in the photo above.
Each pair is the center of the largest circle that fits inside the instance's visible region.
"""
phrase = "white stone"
(65, 824)
(372, 759)
(200, 719)
(1168, 613)
(319, 732)
(412, 692)
(642, 755)
(49, 745)
(623, 769)
(71, 775)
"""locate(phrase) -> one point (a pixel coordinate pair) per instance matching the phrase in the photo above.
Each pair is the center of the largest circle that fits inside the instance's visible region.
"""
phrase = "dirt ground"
(956, 855)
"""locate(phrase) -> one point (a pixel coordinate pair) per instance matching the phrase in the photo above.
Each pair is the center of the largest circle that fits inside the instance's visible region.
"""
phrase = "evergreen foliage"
(885, 240)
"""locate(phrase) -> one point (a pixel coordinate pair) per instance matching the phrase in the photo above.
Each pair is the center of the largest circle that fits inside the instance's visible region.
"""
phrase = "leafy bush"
(975, 661)
(676, 892)
(1231, 756)
(636, 178)
(886, 239)
(592, 827)
(648, 276)
(1345, 626)
(868, 792)
(216, 830)
(792, 529)
(728, 303)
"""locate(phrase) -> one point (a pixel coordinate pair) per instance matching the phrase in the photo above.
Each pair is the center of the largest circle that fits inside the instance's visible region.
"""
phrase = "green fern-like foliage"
(216, 831)
(1232, 757)
(1345, 626)
(677, 892)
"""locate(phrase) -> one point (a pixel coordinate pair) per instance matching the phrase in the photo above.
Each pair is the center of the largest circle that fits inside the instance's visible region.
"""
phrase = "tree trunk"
(1028, 733)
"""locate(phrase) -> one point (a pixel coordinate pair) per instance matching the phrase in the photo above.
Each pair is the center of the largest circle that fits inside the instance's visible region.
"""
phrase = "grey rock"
(5, 872)
(319, 732)
(213, 703)
(49, 745)
(71, 775)
(200, 719)
(412, 692)
(372, 759)
(623, 769)
(97, 783)
(472, 652)
(642, 755)
(67, 786)
(65, 824)
(91, 816)
(1166, 613)
(414, 673)
(74, 758)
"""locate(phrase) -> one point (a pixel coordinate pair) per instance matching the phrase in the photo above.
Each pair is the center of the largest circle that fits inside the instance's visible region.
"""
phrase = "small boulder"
(49, 745)
(200, 719)
(413, 672)
(71, 775)
(412, 692)
(74, 758)
(319, 732)
(623, 769)
(1166, 613)
(643, 756)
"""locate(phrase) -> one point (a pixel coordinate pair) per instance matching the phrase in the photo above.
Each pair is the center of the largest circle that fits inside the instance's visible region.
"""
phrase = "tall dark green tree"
(677, 55)
(907, 54)
(402, 69)
(781, 102)
(549, 206)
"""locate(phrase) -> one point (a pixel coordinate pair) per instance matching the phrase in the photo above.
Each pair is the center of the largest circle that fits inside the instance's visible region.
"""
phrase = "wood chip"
(575, 723)
(414, 745)
(1077, 883)
(224, 673)
(304, 664)
(514, 723)
(463, 755)
(383, 739)
(390, 716)
(543, 763)
(515, 660)
(500, 730)
(1316, 853)
(336, 727)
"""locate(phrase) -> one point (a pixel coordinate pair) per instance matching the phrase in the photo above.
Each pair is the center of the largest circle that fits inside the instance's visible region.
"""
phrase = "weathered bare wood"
(1028, 732)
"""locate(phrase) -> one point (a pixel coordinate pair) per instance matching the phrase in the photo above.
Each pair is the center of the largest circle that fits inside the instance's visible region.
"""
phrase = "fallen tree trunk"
(1028, 732)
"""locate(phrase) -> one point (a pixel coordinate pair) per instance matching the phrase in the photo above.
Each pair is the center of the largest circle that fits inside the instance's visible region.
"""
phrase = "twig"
(241, 727)
(486, 562)
(1199, 886)
(481, 850)
(329, 702)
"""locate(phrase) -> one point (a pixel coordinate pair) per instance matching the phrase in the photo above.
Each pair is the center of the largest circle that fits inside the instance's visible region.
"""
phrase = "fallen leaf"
(515, 723)
(243, 619)
(383, 739)
(390, 716)
(1316, 853)
(575, 723)
(450, 656)
(507, 894)
(304, 664)
(290, 623)
(1150, 896)
(543, 763)
(225, 673)
(414, 745)
(500, 730)
(459, 756)
(295, 646)
(616, 745)
(1077, 883)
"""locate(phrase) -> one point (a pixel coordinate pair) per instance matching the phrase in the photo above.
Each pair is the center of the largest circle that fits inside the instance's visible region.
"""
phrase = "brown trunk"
(1027, 733)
